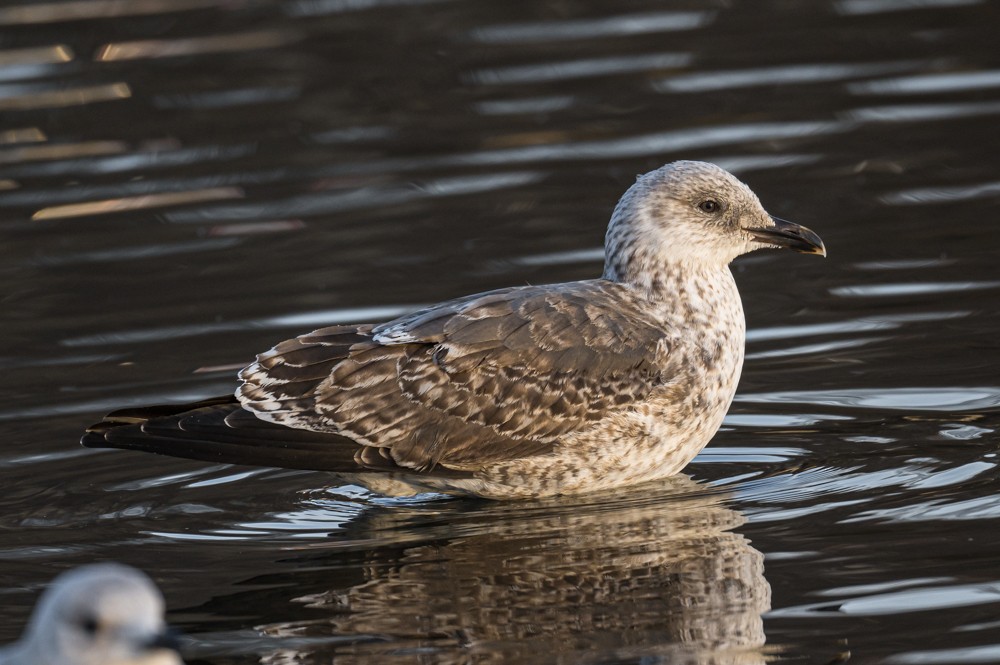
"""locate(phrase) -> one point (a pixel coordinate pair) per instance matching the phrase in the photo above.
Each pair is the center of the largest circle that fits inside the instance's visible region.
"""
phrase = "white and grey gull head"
(99, 614)
(696, 216)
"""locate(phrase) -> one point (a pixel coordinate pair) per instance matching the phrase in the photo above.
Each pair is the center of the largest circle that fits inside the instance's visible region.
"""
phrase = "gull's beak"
(168, 639)
(788, 235)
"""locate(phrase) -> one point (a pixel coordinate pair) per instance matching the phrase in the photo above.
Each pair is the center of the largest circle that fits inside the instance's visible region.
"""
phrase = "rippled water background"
(184, 183)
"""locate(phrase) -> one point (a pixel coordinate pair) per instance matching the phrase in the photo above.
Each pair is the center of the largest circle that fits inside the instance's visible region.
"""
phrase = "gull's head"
(101, 614)
(696, 213)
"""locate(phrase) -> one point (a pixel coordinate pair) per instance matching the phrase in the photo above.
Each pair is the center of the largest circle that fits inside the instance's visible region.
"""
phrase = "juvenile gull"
(101, 614)
(519, 392)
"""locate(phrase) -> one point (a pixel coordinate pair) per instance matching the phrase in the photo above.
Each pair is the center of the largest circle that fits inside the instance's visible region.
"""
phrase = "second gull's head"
(101, 614)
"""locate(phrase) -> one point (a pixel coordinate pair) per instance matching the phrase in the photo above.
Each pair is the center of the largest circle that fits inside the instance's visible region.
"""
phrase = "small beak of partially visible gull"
(168, 639)
(788, 235)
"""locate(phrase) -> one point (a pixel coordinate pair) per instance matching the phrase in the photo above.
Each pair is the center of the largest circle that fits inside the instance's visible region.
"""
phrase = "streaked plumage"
(518, 392)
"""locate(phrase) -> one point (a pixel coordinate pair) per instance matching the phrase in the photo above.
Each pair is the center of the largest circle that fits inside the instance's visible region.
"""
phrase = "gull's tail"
(220, 430)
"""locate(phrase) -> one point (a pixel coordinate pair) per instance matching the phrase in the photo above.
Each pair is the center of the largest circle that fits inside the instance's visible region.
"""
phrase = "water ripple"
(137, 203)
(900, 602)
(782, 420)
(863, 7)
(320, 7)
(548, 72)
(105, 404)
(146, 157)
(929, 84)
(137, 253)
(220, 99)
(34, 152)
(78, 10)
(781, 75)
(21, 135)
(910, 289)
(527, 105)
(609, 26)
(987, 653)
(365, 198)
(37, 55)
(943, 194)
(32, 62)
(902, 399)
(656, 143)
(820, 348)
(866, 324)
(300, 319)
(38, 98)
(923, 112)
(172, 48)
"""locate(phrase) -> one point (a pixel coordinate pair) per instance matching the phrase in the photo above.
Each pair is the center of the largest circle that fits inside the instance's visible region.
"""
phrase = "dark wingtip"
(96, 435)
(220, 431)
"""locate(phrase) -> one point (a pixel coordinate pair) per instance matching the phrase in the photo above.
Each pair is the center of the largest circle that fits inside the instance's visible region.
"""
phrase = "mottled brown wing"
(473, 381)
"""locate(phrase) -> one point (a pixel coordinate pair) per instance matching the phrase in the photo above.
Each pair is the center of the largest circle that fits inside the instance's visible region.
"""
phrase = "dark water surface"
(184, 183)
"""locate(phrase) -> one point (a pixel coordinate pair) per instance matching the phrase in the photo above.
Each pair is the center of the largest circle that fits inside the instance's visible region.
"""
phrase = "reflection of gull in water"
(520, 392)
(657, 573)
(102, 614)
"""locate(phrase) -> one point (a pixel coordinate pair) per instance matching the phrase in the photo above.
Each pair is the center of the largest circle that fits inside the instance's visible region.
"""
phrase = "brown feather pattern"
(470, 382)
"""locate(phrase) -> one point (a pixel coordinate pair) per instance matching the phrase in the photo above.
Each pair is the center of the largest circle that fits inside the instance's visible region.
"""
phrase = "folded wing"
(487, 378)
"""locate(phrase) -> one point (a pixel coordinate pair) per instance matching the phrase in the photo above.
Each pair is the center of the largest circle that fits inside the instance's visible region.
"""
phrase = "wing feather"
(469, 382)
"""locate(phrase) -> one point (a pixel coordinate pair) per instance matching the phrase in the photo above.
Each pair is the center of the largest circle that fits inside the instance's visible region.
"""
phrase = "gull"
(521, 392)
(100, 614)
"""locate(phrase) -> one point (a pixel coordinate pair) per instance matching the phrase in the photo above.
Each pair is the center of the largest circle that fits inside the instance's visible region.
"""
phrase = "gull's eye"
(709, 205)
(89, 625)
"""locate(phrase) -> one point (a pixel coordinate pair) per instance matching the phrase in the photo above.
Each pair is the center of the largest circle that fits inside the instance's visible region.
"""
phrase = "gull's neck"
(659, 280)
(682, 292)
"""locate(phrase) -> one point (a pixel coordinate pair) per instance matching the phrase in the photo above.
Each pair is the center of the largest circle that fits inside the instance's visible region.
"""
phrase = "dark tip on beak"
(788, 235)
(168, 639)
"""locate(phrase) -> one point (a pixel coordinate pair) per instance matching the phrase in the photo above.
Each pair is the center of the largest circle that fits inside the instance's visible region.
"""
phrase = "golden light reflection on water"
(35, 153)
(41, 55)
(276, 226)
(68, 97)
(167, 48)
(137, 203)
(52, 12)
(21, 135)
